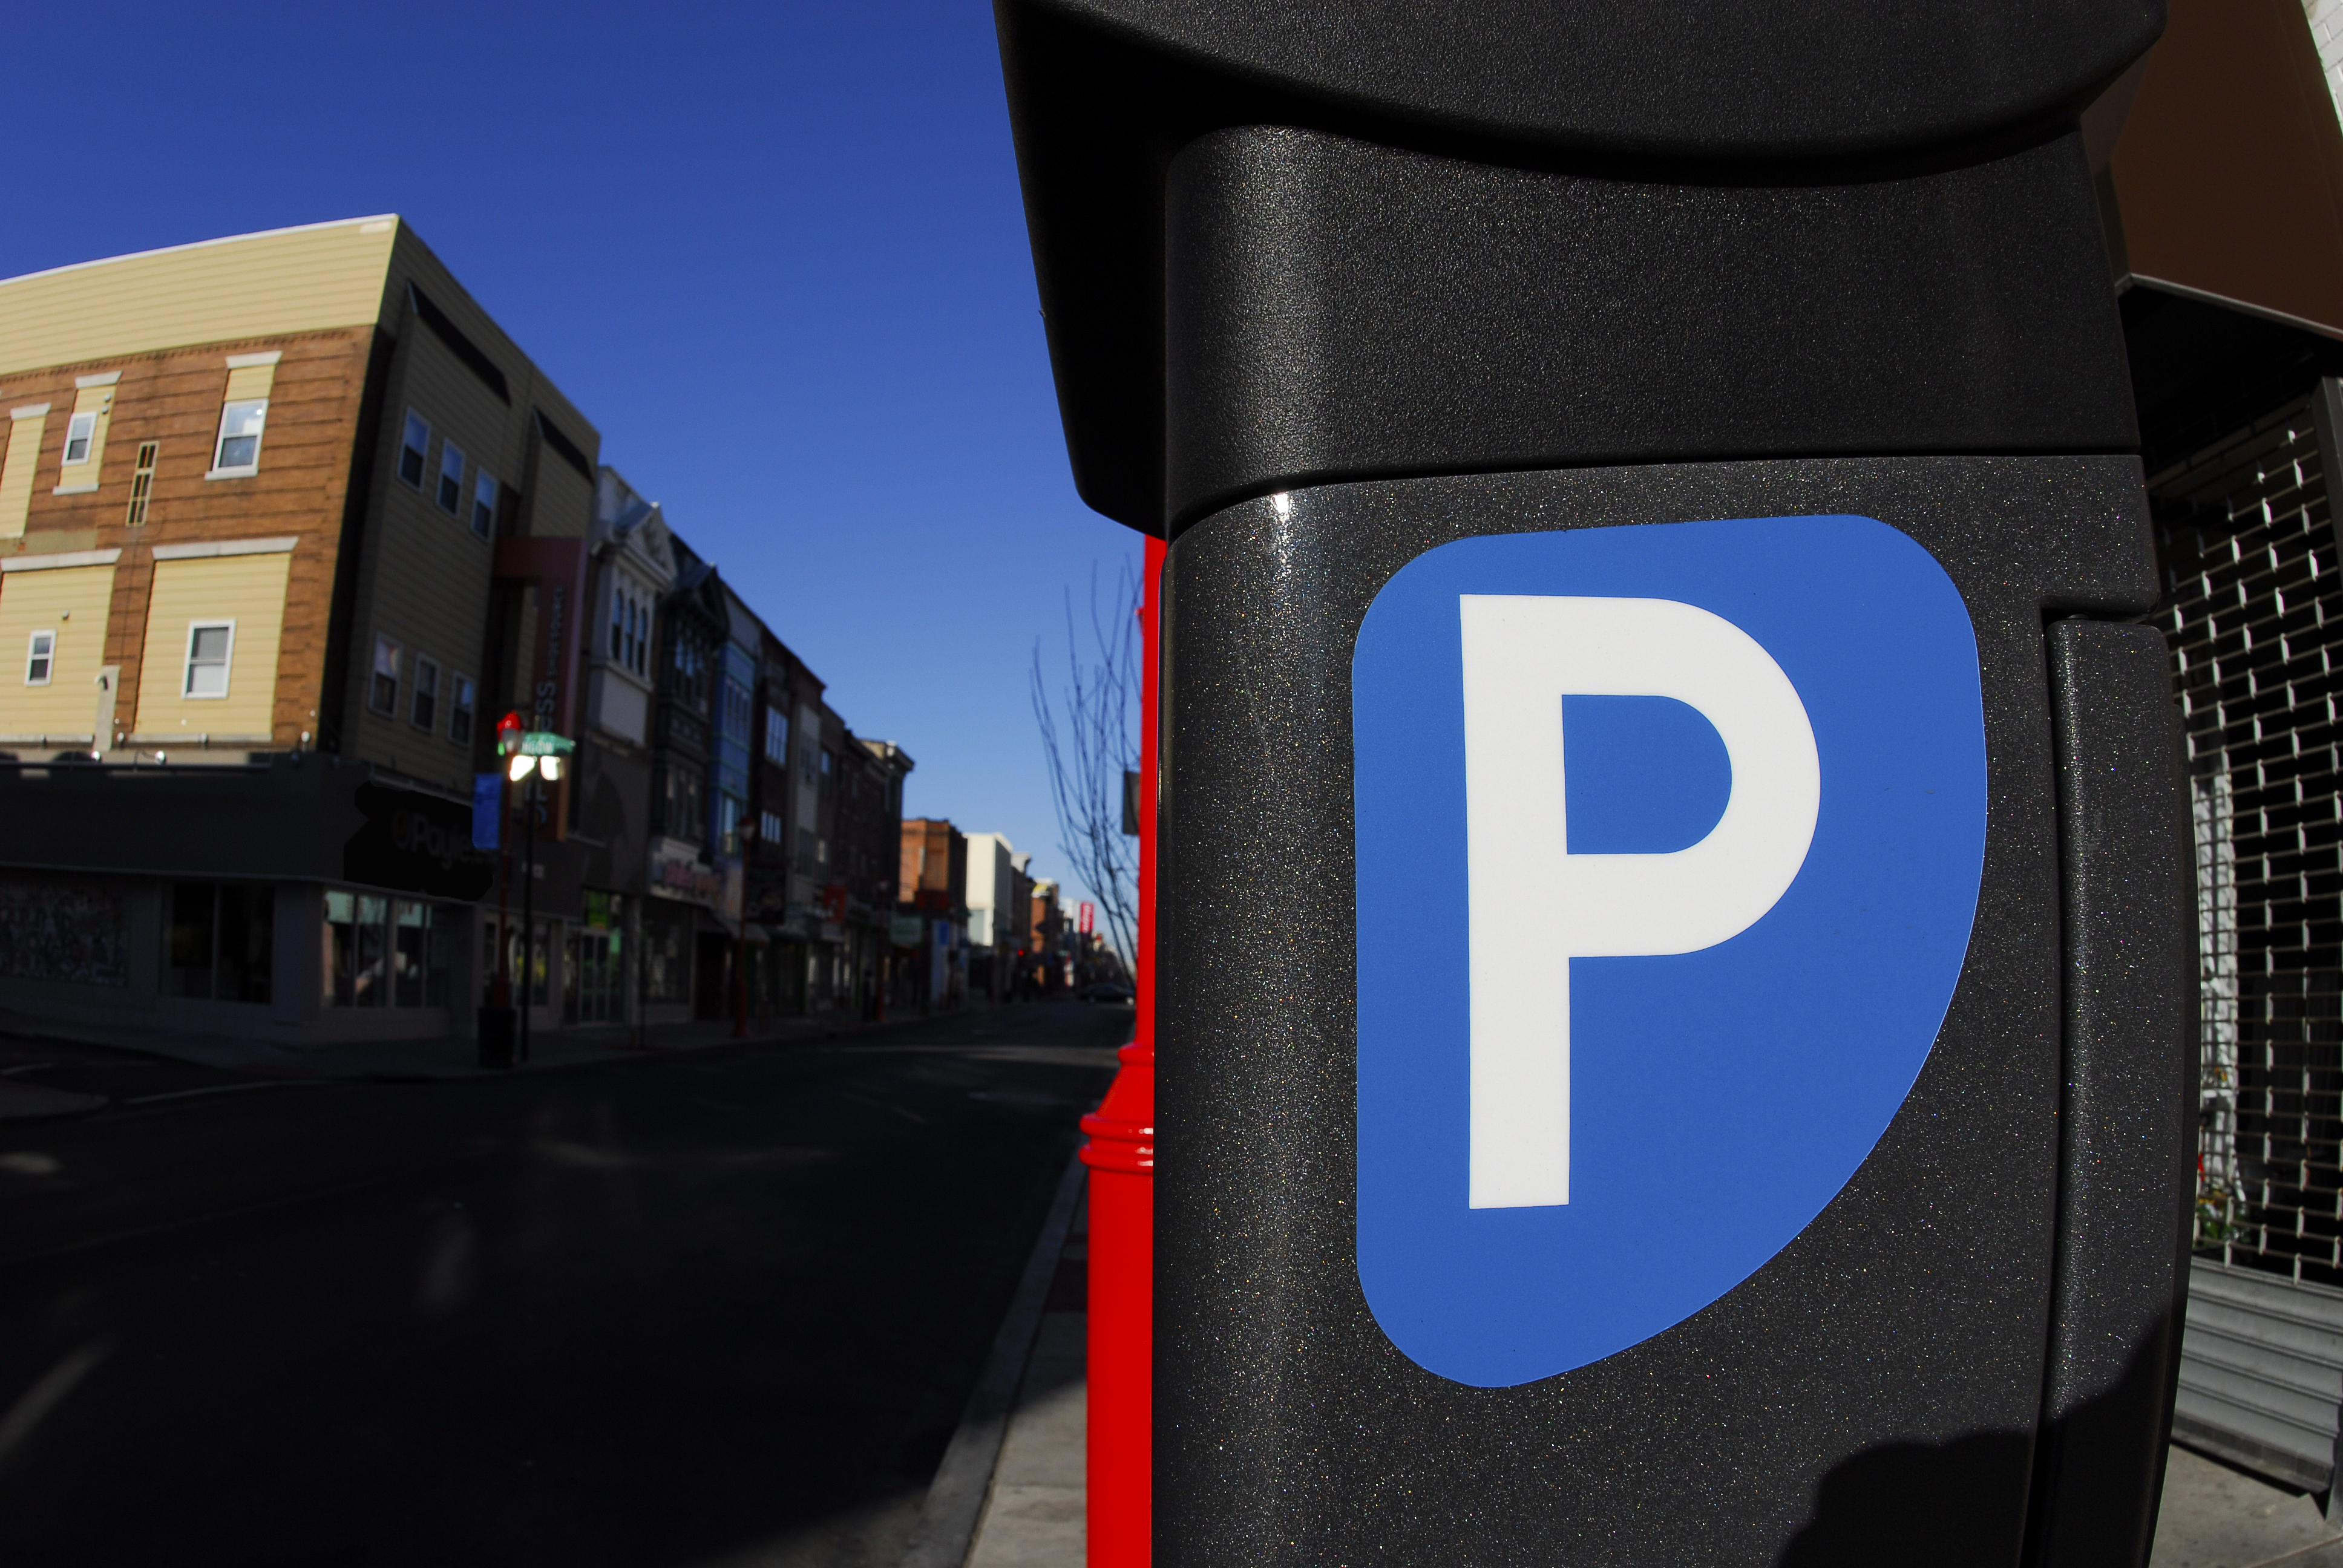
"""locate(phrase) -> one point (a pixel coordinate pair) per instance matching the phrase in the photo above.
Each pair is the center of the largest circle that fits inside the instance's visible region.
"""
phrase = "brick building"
(930, 932)
(285, 521)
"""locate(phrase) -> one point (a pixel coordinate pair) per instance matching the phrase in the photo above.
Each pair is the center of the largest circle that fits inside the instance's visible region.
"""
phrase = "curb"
(949, 1518)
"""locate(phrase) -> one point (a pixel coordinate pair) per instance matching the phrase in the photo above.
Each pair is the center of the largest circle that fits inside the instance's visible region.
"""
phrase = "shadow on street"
(714, 1309)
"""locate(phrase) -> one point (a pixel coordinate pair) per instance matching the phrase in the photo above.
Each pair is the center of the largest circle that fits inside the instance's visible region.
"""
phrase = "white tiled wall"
(2327, 30)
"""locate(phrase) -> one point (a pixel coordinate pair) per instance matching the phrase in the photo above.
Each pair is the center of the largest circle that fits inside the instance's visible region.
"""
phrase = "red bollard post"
(1121, 1158)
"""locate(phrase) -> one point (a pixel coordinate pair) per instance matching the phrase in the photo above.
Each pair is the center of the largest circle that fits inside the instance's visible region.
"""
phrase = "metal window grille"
(2253, 607)
(142, 484)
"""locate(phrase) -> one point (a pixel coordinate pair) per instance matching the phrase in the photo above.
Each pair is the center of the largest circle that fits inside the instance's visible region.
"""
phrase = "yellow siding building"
(273, 510)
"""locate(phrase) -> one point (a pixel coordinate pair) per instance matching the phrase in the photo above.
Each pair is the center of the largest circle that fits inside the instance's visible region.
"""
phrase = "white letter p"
(1534, 905)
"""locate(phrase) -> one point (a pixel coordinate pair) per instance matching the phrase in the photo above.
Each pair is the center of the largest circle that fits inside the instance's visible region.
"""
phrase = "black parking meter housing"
(1328, 287)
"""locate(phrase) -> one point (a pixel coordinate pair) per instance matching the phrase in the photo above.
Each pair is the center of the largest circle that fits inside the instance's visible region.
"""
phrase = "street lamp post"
(528, 756)
(528, 913)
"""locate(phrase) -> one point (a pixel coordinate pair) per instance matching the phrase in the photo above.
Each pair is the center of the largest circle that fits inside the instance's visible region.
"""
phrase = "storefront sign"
(418, 843)
(678, 872)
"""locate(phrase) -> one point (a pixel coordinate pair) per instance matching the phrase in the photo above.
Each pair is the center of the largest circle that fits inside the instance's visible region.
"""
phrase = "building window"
(356, 971)
(80, 432)
(210, 644)
(777, 737)
(484, 504)
(594, 975)
(681, 802)
(384, 695)
(691, 686)
(666, 952)
(239, 451)
(40, 658)
(412, 448)
(426, 712)
(451, 479)
(142, 484)
(770, 831)
(739, 710)
(527, 971)
(218, 941)
(821, 851)
(419, 955)
(729, 809)
(459, 711)
(384, 953)
(631, 628)
(531, 966)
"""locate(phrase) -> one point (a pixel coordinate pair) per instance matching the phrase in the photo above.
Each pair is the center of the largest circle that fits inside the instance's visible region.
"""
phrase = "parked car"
(1108, 990)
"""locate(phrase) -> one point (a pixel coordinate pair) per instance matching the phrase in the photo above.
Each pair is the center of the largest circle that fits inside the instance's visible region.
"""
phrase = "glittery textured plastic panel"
(1872, 1394)
(2126, 1179)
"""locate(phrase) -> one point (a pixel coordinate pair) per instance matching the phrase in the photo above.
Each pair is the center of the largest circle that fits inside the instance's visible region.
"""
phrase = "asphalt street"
(716, 1308)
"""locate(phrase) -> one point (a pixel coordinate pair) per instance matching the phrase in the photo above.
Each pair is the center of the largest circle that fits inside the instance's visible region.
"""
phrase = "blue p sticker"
(1669, 843)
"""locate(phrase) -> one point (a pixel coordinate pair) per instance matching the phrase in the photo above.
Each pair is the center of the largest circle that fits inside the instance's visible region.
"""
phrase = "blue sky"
(775, 253)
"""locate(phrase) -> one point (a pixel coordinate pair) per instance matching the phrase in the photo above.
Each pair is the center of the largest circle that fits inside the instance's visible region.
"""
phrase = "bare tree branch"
(1092, 747)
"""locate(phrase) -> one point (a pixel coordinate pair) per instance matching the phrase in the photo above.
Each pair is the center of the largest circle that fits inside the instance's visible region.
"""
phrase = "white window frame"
(32, 652)
(220, 436)
(374, 673)
(422, 453)
(187, 662)
(449, 449)
(466, 699)
(481, 476)
(82, 427)
(415, 693)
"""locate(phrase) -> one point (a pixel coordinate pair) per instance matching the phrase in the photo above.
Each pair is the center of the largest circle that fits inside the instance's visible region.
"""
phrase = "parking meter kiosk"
(1675, 1004)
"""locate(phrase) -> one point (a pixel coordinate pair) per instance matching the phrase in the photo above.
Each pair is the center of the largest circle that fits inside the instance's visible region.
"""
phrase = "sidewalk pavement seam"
(2303, 1553)
(956, 1498)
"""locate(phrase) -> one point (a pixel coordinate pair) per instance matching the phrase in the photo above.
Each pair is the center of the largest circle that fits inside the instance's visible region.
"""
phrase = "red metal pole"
(1121, 1158)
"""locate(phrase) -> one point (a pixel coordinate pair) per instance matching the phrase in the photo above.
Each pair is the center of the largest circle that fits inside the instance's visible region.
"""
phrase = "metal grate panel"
(2253, 607)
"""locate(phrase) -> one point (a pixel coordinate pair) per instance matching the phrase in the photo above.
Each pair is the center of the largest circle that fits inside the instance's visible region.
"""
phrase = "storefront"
(318, 904)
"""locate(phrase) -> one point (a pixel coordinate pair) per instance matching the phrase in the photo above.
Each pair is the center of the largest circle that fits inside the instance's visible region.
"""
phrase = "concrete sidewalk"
(1033, 1514)
(2217, 1517)
(1010, 1491)
(2211, 1517)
